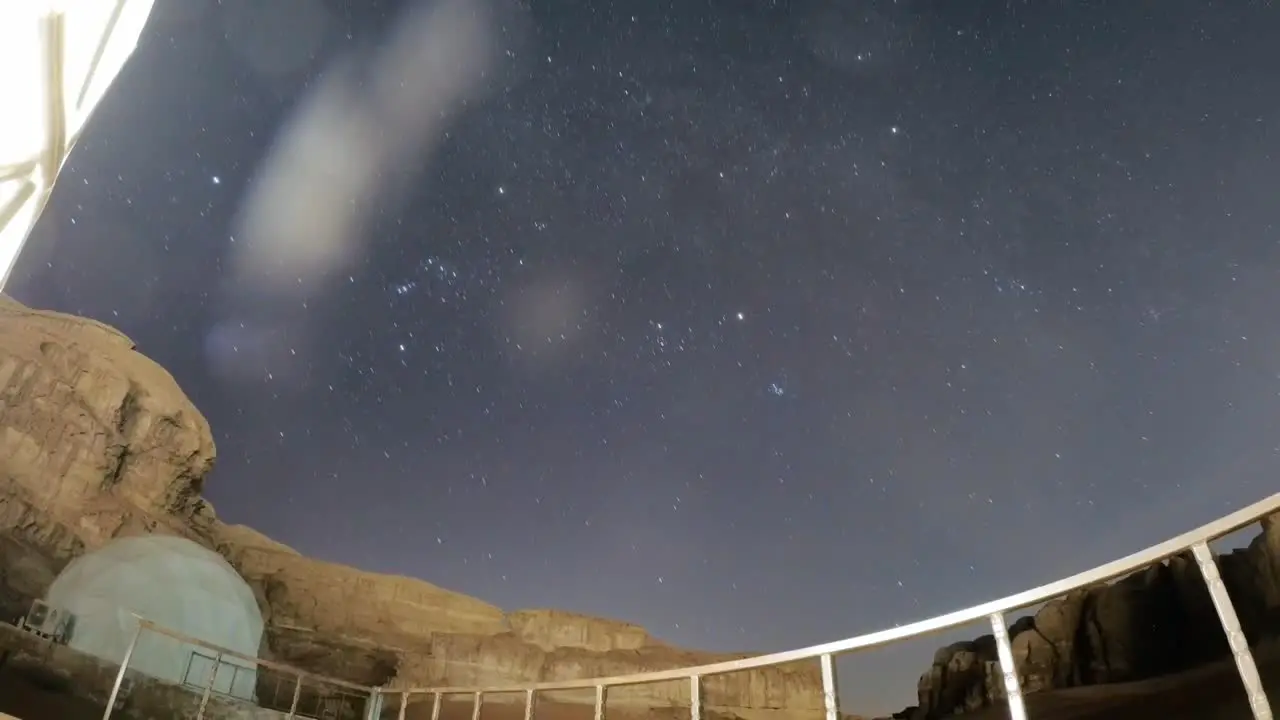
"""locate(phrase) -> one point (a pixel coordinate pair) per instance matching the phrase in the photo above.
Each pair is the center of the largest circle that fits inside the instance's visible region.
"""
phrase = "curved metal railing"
(993, 611)
(221, 657)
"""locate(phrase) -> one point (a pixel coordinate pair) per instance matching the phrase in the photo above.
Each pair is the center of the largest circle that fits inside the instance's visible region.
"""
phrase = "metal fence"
(994, 612)
(326, 698)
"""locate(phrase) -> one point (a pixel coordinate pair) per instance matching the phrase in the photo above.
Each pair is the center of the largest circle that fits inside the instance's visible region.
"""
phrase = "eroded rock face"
(385, 630)
(342, 601)
(1155, 622)
(551, 629)
(98, 442)
(86, 418)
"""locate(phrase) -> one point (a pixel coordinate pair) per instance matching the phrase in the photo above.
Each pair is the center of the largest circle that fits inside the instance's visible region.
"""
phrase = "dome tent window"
(175, 583)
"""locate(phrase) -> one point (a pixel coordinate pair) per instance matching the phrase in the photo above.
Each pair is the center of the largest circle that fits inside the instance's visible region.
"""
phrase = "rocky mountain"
(99, 442)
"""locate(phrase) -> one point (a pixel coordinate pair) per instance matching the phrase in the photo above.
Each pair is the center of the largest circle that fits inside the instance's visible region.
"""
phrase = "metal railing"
(1197, 541)
(240, 662)
(195, 673)
(994, 611)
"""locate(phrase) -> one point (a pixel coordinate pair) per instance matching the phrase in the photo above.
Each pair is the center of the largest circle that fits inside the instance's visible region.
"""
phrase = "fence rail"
(1197, 541)
(223, 655)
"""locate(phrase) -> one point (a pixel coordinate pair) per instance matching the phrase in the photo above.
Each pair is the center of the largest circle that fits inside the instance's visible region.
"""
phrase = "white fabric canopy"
(57, 59)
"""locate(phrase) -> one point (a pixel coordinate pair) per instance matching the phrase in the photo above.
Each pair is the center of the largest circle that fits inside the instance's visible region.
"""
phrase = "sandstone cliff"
(98, 442)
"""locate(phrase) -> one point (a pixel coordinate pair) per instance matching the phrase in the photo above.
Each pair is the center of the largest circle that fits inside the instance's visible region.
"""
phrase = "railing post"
(124, 665)
(476, 702)
(186, 674)
(404, 705)
(435, 706)
(1235, 636)
(297, 695)
(375, 704)
(600, 691)
(208, 688)
(528, 704)
(695, 697)
(1012, 686)
(830, 692)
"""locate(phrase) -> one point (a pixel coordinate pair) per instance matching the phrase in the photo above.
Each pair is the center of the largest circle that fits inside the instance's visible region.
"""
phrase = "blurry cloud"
(351, 146)
(544, 318)
(353, 134)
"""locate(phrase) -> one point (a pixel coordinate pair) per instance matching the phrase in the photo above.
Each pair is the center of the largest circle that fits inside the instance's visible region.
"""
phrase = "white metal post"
(529, 700)
(830, 692)
(600, 691)
(476, 702)
(297, 695)
(1012, 686)
(695, 697)
(208, 688)
(375, 704)
(404, 705)
(1235, 635)
(124, 665)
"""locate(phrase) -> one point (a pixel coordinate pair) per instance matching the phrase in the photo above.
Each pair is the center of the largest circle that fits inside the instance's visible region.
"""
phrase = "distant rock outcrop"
(1156, 622)
(99, 442)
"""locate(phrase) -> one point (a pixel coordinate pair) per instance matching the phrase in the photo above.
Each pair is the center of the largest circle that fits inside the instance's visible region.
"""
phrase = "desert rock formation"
(1156, 622)
(96, 442)
(99, 442)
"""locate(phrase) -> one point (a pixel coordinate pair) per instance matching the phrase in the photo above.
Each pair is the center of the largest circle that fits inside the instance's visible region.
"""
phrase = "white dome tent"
(176, 584)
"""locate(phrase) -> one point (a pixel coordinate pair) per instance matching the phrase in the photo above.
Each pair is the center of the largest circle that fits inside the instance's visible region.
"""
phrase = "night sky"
(756, 323)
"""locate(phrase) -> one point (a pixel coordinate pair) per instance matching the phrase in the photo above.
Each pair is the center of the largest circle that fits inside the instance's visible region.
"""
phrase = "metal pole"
(404, 705)
(1235, 635)
(208, 688)
(475, 705)
(695, 697)
(231, 687)
(435, 706)
(124, 665)
(600, 691)
(528, 704)
(297, 694)
(375, 704)
(830, 695)
(1012, 686)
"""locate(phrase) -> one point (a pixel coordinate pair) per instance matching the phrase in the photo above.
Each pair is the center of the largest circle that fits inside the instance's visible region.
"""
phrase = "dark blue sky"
(757, 323)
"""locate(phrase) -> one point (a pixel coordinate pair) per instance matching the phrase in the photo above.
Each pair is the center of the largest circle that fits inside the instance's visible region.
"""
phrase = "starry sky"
(757, 323)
